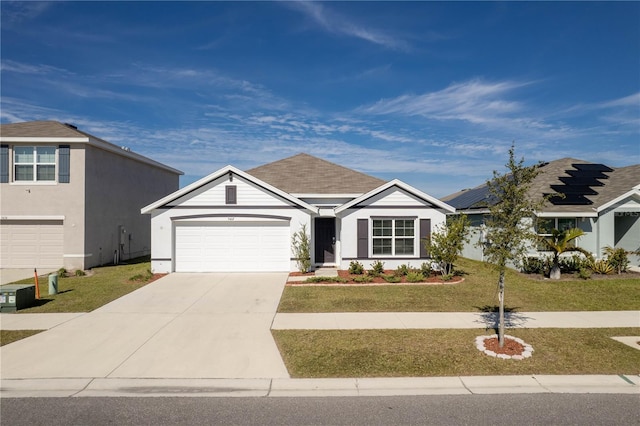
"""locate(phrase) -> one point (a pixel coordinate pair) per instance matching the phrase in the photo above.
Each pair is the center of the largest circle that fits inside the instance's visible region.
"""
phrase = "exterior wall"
(39, 199)
(393, 202)
(192, 208)
(116, 189)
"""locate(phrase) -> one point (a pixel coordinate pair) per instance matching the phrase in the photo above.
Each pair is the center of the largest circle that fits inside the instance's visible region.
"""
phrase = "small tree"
(560, 242)
(302, 249)
(509, 228)
(447, 241)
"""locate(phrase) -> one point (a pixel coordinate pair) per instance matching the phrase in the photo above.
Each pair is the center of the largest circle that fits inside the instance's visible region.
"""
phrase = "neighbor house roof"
(586, 187)
(56, 132)
(306, 174)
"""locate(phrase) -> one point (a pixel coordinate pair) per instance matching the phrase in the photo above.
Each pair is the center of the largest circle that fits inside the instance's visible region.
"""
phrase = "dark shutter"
(425, 236)
(231, 195)
(63, 164)
(363, 238)
(4, 163)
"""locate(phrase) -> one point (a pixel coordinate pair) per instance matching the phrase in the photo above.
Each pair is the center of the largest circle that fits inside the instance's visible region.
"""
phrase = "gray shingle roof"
(306, 174)
(595, 185)
(40, 129)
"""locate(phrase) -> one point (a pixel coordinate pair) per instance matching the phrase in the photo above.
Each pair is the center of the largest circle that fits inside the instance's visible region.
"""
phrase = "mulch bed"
(432, 279)
(511, 347)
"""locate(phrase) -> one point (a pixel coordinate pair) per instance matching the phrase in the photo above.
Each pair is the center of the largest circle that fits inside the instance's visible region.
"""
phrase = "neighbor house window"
(393, 237)
(545, 225)
(34, 163)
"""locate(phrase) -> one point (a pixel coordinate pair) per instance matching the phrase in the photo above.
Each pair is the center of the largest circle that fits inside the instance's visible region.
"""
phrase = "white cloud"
(338, 24)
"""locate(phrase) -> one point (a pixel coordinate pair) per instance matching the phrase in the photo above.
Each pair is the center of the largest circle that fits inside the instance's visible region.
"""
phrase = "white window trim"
(393, 238)
(34, 164)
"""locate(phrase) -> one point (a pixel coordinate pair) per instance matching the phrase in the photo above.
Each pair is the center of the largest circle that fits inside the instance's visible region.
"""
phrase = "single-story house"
(70, 199)
(235, 220)
(603, 201)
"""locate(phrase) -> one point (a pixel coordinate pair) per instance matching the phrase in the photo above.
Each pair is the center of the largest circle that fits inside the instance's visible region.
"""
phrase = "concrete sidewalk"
(431, 320)
(464, 385)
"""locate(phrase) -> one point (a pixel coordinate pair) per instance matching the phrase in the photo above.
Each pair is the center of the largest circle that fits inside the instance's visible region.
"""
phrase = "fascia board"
(566, 214)
(23, 139)
(635, 191)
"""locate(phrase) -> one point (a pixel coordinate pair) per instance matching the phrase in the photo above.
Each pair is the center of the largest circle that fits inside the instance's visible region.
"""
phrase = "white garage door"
(31, 244)
(232, 247)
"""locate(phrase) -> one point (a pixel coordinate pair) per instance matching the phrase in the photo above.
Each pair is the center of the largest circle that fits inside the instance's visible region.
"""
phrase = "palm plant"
(560, 242)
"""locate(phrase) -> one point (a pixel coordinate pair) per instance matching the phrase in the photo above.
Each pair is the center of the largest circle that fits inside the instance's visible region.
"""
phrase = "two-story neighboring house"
(70, 199)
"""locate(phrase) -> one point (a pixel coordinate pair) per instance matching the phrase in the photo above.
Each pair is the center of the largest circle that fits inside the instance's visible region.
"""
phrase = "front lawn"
(419, 353)
(477, 292)
(86, 293)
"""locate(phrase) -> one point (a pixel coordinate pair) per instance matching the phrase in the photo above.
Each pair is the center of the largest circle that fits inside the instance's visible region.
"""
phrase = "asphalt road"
(524, 409)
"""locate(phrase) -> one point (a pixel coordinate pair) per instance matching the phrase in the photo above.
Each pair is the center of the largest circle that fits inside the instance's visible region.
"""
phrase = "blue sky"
(432, 93)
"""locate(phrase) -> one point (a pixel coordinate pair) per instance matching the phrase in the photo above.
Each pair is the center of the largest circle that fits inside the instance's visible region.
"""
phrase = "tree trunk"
(554, 274)
(501, 299)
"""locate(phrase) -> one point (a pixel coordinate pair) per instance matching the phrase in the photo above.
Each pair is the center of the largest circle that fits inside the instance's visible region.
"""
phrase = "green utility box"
(17, 296)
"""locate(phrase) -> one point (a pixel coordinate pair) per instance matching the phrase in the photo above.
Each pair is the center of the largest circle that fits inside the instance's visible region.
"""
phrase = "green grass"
(10, 336)
(477, 292)
(419, 353)
(86, 293)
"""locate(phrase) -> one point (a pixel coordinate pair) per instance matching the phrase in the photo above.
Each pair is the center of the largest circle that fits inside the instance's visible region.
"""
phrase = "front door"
(325, 240)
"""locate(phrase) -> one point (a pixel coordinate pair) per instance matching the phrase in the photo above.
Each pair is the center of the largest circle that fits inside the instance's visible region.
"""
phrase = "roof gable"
(306, 174)
(402, 187)
(197, 188)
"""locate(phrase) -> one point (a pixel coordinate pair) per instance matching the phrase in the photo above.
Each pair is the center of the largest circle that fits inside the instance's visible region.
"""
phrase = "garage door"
(232, 247)
(31, 244)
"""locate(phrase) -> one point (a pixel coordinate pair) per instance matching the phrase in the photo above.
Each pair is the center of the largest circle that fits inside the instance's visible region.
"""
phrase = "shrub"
(426, 269)
(62, 272)
(584, 273)
(617, 258)
(302, 249)
(80, 273)
(573, 263)
(402, 270)
(326, 280)
(363, 279)
(356, 268)
(377, 268)
(415, 277)
(536, 265)
(601, 267)
(391, 278)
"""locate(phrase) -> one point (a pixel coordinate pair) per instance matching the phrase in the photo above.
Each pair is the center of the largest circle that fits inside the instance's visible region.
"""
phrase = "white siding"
(213, 194)
(393, 197)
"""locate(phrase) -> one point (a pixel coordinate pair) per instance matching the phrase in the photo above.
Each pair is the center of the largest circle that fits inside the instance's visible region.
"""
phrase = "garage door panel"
(31, 244)
(229, 247)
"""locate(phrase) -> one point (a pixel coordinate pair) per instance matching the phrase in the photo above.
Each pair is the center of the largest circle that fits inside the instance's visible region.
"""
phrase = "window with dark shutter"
(231, 195)
(425, 235)
(4, 163)
(363, 238)
(64, 164)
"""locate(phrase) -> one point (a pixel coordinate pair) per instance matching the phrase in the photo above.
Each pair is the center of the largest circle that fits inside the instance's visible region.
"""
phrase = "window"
(34, 163)
(393, 237)
(546, 225)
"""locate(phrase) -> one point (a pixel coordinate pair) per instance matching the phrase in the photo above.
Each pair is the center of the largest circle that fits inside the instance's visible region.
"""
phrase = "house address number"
(633, 214)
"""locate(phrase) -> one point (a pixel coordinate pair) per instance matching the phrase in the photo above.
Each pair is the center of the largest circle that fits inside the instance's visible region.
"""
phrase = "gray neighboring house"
(602, 201)
(70, 199)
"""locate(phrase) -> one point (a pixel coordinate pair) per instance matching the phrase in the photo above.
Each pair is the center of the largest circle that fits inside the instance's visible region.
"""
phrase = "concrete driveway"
(181, 326)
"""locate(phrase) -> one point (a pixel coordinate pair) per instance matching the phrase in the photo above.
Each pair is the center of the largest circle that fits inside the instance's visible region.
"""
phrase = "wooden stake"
(35, 271)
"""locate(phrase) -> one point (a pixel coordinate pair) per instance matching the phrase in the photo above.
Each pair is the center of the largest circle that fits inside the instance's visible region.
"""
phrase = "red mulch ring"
(155, 277)
(432, 279)
(511, 347)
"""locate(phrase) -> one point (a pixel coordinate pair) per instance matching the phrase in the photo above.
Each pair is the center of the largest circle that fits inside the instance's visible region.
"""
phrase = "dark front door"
(325, 237)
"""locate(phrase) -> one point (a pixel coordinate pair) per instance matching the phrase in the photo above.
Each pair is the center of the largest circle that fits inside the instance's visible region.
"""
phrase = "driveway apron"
(182, 326)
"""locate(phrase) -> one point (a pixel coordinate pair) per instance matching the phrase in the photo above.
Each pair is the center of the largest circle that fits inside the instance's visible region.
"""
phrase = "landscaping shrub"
(426, 269)
(363, 279)
(377, 268)
(536, 265)
(356, 268)
(584, 273)
(391, 278)
(302, 249)
(617, 258)
(402, 270)
(80, 273)
(326, 280)
(62, 272)
(601, 267)
(415, 277)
